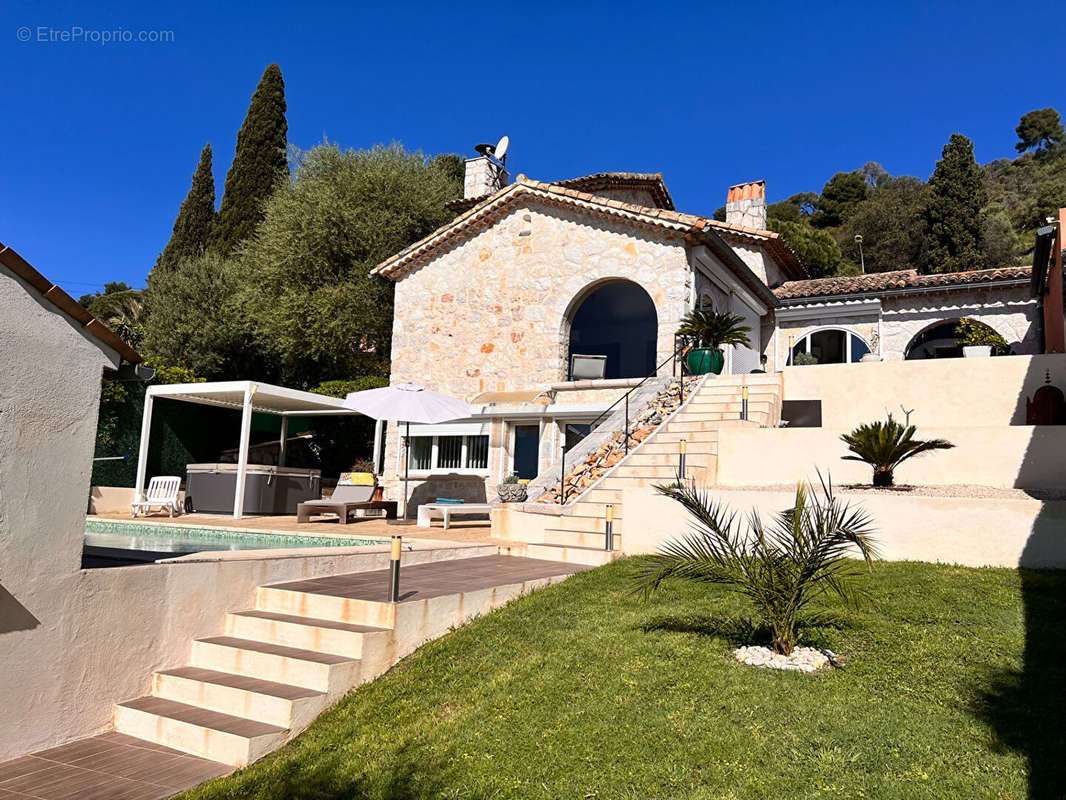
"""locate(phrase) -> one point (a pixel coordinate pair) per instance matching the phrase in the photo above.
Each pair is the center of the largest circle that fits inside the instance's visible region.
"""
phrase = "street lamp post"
(862, 259)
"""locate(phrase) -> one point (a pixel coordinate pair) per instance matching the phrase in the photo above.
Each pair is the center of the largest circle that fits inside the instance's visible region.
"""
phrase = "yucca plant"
(708, 328)
(807, 551)
(886, 445)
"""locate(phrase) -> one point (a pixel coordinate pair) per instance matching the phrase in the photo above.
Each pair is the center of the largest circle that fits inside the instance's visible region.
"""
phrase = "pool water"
(167, 540)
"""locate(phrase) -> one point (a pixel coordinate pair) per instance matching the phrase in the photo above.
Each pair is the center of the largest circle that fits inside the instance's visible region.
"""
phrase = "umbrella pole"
(406, 465)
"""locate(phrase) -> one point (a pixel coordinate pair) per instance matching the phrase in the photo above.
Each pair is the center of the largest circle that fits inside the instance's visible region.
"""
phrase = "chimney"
(483, 176)
(746, 205)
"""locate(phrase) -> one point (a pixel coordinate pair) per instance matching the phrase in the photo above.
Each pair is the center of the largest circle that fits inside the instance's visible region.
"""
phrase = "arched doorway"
(939, 340)
(616, 320)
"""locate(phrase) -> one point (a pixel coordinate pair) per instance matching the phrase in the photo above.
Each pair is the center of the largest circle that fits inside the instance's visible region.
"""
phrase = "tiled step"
(278, 704)
(708, 437)
(308, 633)
(200, 731)
(707, 425)
(324, 672)
(648, 483)
(741, 380)
(576, 538)
(325, 606)
(721, 390)
(712, 416)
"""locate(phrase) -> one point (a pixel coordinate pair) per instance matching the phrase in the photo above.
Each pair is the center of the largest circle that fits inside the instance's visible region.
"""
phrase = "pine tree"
(953, 215)
(196, 217)
(257, 163)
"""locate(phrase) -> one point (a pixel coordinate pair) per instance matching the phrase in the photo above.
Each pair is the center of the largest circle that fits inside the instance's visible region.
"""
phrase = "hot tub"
(268, 489)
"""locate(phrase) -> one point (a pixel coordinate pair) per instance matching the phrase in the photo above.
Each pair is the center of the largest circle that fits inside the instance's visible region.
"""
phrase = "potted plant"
(708, 332)
(511, 491)
(978, 340)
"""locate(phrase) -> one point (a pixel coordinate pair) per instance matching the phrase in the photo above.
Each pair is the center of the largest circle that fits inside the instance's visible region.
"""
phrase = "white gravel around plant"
(802, 659)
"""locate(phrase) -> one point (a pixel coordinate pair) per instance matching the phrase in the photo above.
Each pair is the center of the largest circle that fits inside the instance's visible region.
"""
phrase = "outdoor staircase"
(247, 692)
(579, 535)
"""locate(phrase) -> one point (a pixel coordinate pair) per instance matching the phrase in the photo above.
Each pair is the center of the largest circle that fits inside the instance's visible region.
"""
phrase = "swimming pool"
(151, 542)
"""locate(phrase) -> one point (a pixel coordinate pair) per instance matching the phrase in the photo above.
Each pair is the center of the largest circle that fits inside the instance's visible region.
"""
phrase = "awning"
(249, 397)
(506, 398)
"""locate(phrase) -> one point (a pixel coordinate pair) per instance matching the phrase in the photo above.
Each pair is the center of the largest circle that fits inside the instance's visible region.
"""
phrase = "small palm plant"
(808, 551)
(708, 328)
(886, 445)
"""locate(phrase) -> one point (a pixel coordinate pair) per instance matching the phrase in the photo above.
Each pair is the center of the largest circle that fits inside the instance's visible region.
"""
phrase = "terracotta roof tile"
(67, 304)
(900, 279)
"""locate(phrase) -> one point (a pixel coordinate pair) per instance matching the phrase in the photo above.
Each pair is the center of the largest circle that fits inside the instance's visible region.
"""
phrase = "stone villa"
(491, 308)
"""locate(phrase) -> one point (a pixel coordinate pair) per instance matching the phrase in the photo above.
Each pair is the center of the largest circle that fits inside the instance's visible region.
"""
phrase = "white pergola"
(248, 396)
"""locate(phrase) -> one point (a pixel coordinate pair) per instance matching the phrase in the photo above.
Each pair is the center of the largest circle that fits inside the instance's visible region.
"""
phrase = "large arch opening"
(939, 340)
(617, 321)
(829, 346)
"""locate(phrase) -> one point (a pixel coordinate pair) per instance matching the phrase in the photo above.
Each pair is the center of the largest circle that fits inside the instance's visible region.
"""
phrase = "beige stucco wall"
(968, 531)
(941, 392)
(1004, 456)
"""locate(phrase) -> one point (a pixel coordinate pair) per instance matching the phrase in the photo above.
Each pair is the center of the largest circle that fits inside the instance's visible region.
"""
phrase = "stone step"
(590, 556)
(325, 606)
(706, 425)
(709, 437)
(723, 390)
(324, 672)
(657, 474)
(278, 704)
(595, 524)
(626, 482)
(601, 495)
(591, 540)
(642, 459)
(755, 415)
(594, 510)
(308, 633)
(736, 406)
(671, 449)
(209, 734)
(748, 379)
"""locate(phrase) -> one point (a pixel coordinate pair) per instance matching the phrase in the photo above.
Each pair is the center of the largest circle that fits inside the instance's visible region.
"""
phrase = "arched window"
(616, 320)
(829, 346)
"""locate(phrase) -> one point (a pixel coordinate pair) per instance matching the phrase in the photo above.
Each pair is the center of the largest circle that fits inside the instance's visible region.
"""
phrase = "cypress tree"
(196, 217)
(257, 164)
(953, 215)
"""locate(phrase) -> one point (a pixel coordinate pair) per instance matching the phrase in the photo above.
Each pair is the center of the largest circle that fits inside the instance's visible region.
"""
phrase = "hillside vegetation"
(966, 216)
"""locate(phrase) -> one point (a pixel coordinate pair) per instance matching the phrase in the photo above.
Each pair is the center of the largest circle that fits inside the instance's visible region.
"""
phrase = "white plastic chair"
(162, 492)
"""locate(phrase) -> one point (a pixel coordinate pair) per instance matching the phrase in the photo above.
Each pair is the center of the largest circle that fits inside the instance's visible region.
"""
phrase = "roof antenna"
(497, 157)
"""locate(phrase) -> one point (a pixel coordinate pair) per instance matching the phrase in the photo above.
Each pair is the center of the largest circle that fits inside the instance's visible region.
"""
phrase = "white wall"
(968, 531)
(942, 392)
(1004, 456)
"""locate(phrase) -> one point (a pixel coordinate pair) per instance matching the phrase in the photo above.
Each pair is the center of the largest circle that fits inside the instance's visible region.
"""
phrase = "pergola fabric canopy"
(249, 397)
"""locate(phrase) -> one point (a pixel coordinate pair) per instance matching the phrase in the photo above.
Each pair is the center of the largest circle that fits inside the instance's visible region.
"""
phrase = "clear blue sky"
(99, 141)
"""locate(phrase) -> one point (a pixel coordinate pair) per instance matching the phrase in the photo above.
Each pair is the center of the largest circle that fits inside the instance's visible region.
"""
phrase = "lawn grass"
(584, 691)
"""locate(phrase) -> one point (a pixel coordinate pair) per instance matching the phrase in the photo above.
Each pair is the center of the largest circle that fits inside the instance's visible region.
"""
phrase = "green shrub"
(886, 445)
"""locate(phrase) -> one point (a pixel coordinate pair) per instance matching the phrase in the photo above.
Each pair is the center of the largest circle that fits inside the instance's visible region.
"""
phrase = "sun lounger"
(345, 499)
(162, 494)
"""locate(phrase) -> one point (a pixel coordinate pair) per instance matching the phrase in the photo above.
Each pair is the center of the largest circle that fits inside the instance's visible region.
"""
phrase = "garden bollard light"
(394, 568)
(744, 403)
(681, 459)
(609, 545)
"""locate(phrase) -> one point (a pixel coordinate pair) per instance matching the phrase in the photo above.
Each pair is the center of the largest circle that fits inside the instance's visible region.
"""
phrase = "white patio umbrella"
(407, 403)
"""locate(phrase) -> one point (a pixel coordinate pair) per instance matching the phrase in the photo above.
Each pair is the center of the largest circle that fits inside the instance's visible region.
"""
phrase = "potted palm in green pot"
(708, 332)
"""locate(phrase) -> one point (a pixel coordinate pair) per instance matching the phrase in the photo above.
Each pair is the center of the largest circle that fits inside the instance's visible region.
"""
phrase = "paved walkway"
(110, 766)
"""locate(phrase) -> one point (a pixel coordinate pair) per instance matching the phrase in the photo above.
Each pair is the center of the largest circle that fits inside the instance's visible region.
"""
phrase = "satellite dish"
(484, 149)
(500, 151)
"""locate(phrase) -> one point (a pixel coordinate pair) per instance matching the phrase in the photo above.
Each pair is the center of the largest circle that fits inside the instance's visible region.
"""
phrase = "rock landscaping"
(802, 659)
(593, 467)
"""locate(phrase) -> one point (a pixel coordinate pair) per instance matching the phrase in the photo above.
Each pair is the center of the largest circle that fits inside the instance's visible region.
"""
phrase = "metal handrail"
(672, 360)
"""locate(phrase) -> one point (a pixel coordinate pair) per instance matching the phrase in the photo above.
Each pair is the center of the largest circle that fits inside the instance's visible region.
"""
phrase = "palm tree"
(886, 445)
(708, 328)
(806, 552)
